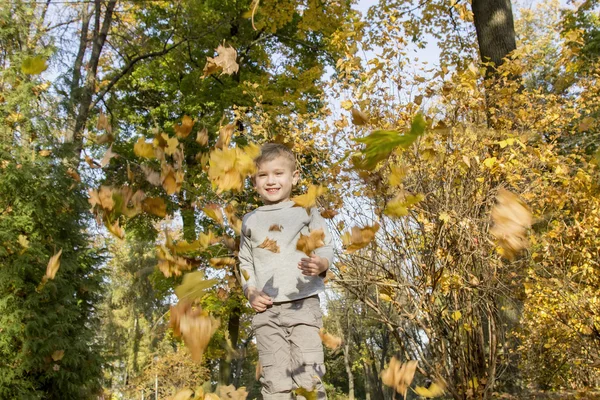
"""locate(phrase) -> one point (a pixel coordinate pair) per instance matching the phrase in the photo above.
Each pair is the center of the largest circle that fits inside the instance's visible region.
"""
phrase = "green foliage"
(38, 320)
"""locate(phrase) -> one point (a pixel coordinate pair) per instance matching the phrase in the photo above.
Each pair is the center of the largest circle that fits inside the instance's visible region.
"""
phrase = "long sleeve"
(246, 260)
(316, 222)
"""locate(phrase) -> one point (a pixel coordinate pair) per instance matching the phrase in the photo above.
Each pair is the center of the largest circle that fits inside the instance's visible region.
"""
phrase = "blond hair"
(270, 151)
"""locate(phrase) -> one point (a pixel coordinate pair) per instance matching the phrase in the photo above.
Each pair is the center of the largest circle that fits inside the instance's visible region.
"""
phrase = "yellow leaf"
(213, 211)
(359, 117)
(310, 242)
(359, 237)
(511, 219)
(183, 129)
(155, 206)
(220, 262)
(53, 265)
(102, 123)
(385, 297)
(397, 175)
(309, 199)
(231, 393)
(489, 162)
(194, 286)
(330, 341)
(171, 144)
(23, 241)
(143, 149)
(34, 65)
(184, 394)
(400, 205)
(418, 99)
(308, 395)
(436, 389)
(202, 137)
(225, 134)
(456, 315)
(444, 216)
(58, 355)
(114, 228)
(269, 244)
(246, 275)
(347, 105)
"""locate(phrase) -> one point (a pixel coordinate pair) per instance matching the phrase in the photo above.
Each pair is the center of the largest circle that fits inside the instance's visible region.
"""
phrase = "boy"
(281, 283)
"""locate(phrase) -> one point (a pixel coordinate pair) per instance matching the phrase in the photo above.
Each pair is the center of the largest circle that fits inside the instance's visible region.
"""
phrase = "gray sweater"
(277, 273)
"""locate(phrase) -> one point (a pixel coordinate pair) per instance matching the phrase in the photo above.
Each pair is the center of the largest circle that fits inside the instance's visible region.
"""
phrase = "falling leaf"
(115, 228)
(220, 262)
(225, 61)
(185, 394)
(143, 149)
(202, 137)
(225, 134)
(330, 341)
(359, 117)
(309, 199)
(512, 219)
(194, 326)
(359, 237)
(193, 286)
(171, 144)
(400, 205)
(183, 129)
(102, 197)
(396, 176)
(152, 176)
(213, 211)
(381, 143)
(310, 242)
(269, 244)
(258, 371)
(246, 275)
(418, 99)
(230, 392)
(58, 355)
(399, 376)
(45, 153)
(436, 389)
(308, 395)
(73, 174)
(102, 123)
(53, 265)
(229, 167)
(91, 162)
(105, 138)
(328, 213)
(233, 220)
(34, 65)
(107, 157)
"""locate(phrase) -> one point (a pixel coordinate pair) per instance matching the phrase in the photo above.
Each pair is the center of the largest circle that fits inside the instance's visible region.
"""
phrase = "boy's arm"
(326, 252)
(246, 261)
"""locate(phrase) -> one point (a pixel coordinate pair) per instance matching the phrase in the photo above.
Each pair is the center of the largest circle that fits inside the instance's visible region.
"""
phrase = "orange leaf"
(333, 342)
(399, 376)
(314, 240)
(275, 228)
(143, 149)
(269, 244)
(511, 219)
(183, 130)
(194, 326)
(155, 206)
(219, 262)
(213, 211)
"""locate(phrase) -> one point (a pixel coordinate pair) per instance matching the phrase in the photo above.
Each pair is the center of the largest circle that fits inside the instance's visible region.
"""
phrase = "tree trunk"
(495, 30)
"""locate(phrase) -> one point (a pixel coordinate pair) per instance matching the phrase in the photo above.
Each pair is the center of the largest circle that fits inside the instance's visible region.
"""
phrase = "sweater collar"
(276, 206)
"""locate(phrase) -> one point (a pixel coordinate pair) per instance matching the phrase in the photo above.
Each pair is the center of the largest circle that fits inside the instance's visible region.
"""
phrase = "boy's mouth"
(272, 190)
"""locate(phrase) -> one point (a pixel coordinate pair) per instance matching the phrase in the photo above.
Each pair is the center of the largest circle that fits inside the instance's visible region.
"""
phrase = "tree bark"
(495, 30)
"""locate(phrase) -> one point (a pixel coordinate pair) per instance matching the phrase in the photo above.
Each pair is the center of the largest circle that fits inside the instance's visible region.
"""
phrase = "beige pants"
(290, 349)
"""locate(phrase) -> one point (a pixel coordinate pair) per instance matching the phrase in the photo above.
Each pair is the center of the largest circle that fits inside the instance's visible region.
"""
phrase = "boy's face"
(274, 180)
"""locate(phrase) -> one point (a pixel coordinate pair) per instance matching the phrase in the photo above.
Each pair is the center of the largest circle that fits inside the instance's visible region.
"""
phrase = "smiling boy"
(281, 283)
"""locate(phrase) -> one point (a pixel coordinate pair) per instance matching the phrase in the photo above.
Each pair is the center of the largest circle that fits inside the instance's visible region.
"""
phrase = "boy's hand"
(313, 266)
(258, 299)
